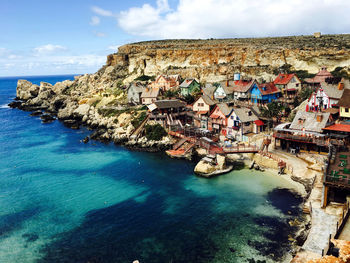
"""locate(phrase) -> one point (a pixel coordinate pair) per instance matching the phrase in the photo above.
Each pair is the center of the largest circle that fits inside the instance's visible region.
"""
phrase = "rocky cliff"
(215, 59)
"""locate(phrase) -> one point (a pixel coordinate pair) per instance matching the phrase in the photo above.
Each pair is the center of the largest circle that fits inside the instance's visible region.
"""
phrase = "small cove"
(65, 201)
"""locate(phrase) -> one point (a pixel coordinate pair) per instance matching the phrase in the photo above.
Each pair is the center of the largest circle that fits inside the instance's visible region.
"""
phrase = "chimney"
(227, 82)
(340, 86)
(319, 117)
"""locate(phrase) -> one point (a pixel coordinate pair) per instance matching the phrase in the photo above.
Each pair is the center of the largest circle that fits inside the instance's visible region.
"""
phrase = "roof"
(224, 108)
(150, 93)
(283, 79)
(237, 85)
(209, 90)
(345, 99)
(259, 123)
(320, 76)
(332, 90)
(167, 104)
(208, 100)
(187, 82)
(169, 77)
(338, 127)
(245, 114)
(309, 122)
(268, 88)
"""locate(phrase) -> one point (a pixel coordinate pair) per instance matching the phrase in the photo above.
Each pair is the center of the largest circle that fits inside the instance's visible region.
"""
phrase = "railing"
(281, 163)
(241, 148)
(307, 139)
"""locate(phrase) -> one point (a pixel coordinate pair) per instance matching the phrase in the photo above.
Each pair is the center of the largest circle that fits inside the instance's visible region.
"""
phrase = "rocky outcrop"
(208, 169)
(214, 60)
(85, 101)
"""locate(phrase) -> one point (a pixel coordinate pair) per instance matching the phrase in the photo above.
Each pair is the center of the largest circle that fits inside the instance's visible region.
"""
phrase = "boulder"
(26, 90)
(81, 111)
(67, 112)
(204, 168)
(47, 118)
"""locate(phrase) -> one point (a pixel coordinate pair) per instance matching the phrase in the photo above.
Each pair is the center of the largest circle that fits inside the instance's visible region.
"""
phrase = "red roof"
(202, 112)
(283, 79)
(259, 123)
(268, 88)
(338, 127)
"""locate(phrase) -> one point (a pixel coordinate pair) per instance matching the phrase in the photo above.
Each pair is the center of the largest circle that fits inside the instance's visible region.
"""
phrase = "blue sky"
(58, 37)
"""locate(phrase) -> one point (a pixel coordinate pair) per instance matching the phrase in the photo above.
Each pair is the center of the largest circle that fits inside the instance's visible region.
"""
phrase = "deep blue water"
(65, 201)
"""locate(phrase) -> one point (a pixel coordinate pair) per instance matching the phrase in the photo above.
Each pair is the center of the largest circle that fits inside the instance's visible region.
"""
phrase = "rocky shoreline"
(51, 102)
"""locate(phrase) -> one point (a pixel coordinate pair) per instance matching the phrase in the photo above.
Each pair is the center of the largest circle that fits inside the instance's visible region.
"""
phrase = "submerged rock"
(47, 118)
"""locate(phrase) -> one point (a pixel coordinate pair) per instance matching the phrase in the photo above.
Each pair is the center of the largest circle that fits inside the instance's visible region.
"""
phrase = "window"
(346, 109)
(297, 85)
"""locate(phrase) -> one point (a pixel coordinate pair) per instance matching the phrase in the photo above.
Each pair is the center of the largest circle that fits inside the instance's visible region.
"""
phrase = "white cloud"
(113, 47)
(235, 18)
(95, 20)
(102, 12)
(49, 48)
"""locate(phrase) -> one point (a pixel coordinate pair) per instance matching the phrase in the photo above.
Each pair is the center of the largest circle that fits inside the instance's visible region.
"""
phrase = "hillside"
(215, 59)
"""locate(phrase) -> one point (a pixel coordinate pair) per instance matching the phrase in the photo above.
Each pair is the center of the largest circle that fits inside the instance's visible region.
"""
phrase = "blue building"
(264, 93)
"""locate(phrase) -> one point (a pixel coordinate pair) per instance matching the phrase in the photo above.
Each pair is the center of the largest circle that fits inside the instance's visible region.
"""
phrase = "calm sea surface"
(65, 201)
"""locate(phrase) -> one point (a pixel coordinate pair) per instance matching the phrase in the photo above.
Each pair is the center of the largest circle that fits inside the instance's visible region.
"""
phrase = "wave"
(4, 106)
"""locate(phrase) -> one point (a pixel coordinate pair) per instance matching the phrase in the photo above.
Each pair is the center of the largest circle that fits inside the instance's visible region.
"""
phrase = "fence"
(340, 225)
(279, 160)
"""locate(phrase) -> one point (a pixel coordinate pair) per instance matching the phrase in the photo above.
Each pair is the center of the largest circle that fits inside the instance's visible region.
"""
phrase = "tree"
(273, 109)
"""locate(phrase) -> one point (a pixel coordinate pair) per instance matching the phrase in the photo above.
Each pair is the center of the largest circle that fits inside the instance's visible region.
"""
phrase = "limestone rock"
(204, 168)
(82, 110)
(26, 90)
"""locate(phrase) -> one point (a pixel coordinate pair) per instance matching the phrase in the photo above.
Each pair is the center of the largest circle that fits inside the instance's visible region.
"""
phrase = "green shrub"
(138, 120)
(144, 78)
(111, 112)
(155, 132)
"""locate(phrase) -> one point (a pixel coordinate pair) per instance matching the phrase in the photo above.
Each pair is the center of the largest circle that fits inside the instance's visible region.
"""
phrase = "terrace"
(338, 171)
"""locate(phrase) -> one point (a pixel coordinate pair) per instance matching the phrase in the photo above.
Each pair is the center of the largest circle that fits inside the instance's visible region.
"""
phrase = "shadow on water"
(14, 221)
(129, 231)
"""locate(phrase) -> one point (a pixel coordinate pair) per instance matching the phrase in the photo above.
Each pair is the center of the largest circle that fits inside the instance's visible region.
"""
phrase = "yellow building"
(344, 104)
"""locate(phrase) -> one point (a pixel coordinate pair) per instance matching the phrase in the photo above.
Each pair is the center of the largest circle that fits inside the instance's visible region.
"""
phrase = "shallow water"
(65, 201)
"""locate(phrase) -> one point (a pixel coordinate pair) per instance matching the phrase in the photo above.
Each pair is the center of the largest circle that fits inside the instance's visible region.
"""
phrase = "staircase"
(179, 143)
(139, 129)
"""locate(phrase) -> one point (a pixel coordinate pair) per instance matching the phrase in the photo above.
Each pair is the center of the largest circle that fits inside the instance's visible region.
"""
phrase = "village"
(299, 116)
(295, 125)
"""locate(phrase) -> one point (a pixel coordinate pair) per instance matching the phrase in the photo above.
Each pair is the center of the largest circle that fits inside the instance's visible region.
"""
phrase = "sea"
(65, 201)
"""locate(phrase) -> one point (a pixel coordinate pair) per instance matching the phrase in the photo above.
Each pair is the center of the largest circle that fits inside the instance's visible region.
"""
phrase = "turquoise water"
(65, 201)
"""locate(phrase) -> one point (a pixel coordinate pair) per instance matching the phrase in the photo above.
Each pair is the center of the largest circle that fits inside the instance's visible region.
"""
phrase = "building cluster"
(231, 110)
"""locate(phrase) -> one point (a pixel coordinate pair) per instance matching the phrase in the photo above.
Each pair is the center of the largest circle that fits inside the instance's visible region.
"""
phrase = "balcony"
(323, 141)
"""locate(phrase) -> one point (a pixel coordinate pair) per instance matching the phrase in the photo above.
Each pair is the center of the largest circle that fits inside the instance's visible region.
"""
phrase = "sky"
(54, 37)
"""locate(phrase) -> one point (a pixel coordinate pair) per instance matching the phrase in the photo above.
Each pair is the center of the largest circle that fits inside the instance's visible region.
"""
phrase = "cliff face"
(213, 60)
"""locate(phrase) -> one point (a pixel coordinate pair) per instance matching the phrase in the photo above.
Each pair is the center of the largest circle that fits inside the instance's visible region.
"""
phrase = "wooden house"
(189, 86)
(326, 96)
(201, 108)
(243, 120)
(165, 82)
(149, 95)
(237, 89)
(134, 93)
(264, 93)
(320, 77)
(218, 118)
(344, 104)
(289, 85)
(168, 112)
